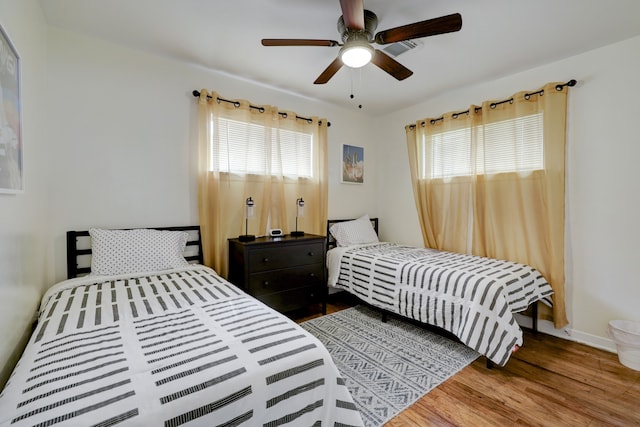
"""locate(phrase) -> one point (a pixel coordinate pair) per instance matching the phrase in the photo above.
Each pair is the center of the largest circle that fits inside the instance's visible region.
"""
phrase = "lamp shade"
(299, 213)
(248, 213)
(249, 208)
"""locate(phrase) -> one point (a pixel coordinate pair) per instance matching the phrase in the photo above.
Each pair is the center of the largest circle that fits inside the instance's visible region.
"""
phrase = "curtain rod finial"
(570, 83)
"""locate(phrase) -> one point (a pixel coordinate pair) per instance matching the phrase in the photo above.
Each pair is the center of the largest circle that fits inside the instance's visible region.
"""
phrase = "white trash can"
(626, 335)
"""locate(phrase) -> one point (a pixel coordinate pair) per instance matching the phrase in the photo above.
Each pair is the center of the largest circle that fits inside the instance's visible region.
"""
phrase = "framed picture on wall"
(11, 173)
(352, 164)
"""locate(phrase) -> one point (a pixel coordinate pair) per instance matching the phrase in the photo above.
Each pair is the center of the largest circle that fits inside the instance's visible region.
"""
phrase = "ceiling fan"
(357, 26)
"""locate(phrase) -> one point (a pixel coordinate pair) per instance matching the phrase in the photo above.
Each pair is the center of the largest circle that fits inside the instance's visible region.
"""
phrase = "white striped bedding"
(472, 297)
(182, 347)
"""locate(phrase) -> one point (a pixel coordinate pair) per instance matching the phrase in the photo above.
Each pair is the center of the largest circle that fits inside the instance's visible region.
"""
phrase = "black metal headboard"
(331, 241)
(79, 249)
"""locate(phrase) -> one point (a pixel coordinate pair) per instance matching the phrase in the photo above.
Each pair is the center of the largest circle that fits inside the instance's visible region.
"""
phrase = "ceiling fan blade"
(353, 14)
(390, 65)
(298, 42)
(329, 72)
(430, 27)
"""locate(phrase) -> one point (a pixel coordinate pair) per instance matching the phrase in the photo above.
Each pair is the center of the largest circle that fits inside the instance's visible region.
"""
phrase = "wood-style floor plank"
(548, 382)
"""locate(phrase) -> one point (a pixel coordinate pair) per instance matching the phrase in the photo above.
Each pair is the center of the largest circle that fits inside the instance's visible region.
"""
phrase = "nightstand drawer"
(291, 299)
(281, 280)
(264, 259)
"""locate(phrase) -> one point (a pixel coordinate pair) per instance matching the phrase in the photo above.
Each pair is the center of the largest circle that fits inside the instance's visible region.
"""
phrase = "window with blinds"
(247, 148)
(514, 145)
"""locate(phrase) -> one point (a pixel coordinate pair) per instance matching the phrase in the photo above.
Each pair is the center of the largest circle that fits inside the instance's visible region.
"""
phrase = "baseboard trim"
(569, 334)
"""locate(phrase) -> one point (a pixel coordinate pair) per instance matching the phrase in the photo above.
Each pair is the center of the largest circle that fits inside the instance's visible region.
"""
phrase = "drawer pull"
(312, 274)
(266, 284)
(311, 253)
(265, 259)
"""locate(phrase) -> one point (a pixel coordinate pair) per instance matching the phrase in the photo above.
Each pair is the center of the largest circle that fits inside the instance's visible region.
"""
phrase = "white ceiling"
(498, 38)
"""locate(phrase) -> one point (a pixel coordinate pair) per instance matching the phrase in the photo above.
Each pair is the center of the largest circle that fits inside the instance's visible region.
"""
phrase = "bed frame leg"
(490, 364)
(534, 320)
(384, 317)
(324, 296)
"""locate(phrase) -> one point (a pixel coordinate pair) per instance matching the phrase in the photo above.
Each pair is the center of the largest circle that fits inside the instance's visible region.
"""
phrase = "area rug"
(387, 366)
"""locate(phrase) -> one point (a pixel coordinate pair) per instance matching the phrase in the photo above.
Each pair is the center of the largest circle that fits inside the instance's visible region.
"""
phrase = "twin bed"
(150, 338)
(474, 298)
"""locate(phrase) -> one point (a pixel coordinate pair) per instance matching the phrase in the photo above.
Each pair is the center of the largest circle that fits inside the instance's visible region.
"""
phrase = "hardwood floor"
(548, 382)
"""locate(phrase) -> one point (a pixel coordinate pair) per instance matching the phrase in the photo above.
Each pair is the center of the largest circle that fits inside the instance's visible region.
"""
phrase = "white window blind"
(247, 148)
(514, 145)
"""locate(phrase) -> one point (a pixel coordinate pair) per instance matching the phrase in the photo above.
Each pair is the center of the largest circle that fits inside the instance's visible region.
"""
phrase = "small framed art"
(11, 174)
(352, 164)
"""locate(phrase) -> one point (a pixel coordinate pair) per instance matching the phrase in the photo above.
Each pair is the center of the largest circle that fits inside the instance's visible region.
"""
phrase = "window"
(514, 145)
(246, 148)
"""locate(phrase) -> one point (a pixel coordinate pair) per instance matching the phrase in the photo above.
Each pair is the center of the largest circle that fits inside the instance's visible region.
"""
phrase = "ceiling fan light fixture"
(356, 55)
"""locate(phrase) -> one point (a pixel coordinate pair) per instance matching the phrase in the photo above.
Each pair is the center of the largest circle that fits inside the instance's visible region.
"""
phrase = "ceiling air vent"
(398, 48)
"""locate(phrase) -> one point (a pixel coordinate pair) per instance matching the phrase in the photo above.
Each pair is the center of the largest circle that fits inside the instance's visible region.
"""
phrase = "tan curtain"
(517, 216)
(222, 195)
(443, 203)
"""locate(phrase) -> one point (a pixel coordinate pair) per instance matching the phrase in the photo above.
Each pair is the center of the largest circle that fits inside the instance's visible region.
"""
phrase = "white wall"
(122, 126)
(24, 244)
(603, 179)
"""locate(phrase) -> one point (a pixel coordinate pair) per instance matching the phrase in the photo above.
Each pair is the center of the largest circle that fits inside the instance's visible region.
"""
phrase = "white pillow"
(356, 232)
(135, 251)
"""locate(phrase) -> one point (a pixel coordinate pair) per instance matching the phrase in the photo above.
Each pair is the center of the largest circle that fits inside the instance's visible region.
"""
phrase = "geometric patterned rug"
(387, 366)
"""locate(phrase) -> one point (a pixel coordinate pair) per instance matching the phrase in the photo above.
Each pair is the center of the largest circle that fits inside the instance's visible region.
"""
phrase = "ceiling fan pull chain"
(351, 83)
(352, 96)
(360, 78)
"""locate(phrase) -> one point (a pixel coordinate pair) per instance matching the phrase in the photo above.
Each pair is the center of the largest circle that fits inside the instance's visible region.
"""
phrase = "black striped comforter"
(472, 297)
(181, 347)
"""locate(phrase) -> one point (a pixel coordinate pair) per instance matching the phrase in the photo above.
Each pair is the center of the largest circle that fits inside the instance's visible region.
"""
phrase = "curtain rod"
(493, 105)
(196, 93)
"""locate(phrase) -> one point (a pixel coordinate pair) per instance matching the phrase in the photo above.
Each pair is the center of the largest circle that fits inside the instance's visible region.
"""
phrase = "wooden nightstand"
(285, 273)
